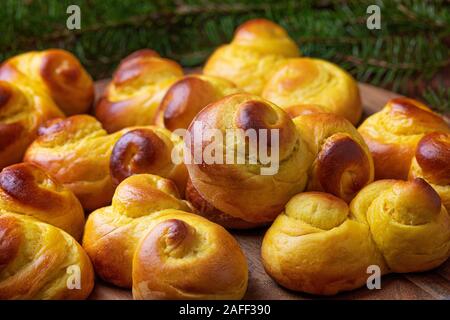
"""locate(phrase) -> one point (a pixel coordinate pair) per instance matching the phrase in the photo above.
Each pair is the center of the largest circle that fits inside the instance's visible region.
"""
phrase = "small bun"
(393, 134)
(136, 90)
(242, 189)
(432, 163)
(258, 47)
(408, 223)
(148, 150)
(320, 246)
(28, 190)
(186, 97)
(147, 240)
(314, 246)
(21, 113)
(315, 81)
(40, 262)
(76, 151)
(189, 258)
(342, 162)
(56, 73)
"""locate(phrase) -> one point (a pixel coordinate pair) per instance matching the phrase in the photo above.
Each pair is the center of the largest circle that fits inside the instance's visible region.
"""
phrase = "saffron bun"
(321, 246)
(300, 109)
(77, 151)
(28, 190)
(432, 163)
(342, 163)
(54, 73)
(40, 221)
(125, 242)
(41, 262)
(393, 133)
(246, 191)
(149, 150)
(186, 97)
(136, 90)
(258, 47)
(22, 111)
(185, 256)
(314, 81)
(314, 246)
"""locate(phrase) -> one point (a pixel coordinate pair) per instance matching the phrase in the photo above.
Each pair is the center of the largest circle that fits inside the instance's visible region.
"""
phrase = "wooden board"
(428, 285)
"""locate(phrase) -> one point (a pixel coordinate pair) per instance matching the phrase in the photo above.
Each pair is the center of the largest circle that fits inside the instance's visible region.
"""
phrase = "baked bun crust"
(136, 90)
(342, 163)
(76, 151)
(258, 47)
(22, 111)
(28, 190)
(314, 81)
(56, 73)
(432, 163)
(393, 133)
(186, 97)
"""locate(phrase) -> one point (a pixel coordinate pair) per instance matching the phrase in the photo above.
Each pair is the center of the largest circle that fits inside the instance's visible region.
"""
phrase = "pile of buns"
(90, 188)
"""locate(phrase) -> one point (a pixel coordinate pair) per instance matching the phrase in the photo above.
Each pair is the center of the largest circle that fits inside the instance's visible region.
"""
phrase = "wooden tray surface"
(428, 285)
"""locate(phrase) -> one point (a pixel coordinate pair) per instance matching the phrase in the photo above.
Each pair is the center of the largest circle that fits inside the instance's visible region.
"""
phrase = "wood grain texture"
(418, 286)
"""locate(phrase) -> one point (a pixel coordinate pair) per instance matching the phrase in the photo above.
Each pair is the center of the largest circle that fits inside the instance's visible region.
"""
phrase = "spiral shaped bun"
(408, 223)
(342, 162)
(258, 47)
(136, 90)
(432, 163)
(21, 113)
(77, 151)
(186, 97)
(40, 261)
(315, 247)
(28, 190)
(393, 133)
(56, 73)
(314, 81)
(148, 150)
(243, 189)
(188, 257)
(112, 233)
(147, 240)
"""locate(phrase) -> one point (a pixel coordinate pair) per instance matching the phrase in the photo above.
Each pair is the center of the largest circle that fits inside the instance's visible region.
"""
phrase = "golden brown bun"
(315, 247)
(432, 163)
(39, 261)
(314, 81)
(112, 233)
(28, 190)
(188, 257)
(56, 73)
(393, 133)
(186, 97)
(258, 47)
(408, 223)
(240, 190)
(22, 111)
(148, 150)
(76, 151)
(321, 247)
(137, 88)
(342, 162)
(144, 240)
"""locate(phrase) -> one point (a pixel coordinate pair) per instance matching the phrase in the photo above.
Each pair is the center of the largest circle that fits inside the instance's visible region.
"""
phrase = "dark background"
(410, 54)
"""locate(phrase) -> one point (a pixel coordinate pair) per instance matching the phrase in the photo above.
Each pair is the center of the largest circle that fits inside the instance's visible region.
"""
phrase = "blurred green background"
(410, 54)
